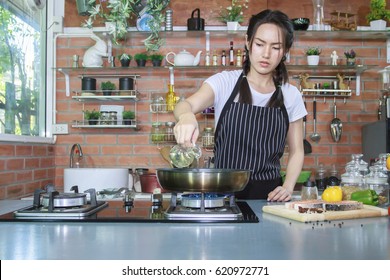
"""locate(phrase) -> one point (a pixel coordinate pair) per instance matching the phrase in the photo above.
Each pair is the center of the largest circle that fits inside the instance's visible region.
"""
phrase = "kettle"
(183, 58)
(195, 23)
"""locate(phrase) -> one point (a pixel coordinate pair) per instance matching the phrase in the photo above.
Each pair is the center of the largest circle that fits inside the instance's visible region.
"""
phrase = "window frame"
(46, 135)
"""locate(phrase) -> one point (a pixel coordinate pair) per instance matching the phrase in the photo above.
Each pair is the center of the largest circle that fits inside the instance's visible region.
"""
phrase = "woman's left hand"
(279, 194)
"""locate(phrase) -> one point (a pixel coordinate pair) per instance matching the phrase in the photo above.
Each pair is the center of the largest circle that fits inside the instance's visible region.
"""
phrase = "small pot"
(126, 83)
(195, 23)
(149, 183)
(88, 83)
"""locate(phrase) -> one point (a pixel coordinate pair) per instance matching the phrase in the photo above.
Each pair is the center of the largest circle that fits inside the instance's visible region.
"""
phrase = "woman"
(256, 110)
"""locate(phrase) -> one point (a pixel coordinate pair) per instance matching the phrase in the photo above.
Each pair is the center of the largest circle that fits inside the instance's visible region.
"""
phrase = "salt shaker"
(309, 191)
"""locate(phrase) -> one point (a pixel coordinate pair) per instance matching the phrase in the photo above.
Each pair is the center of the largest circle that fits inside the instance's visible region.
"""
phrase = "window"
(23, 71)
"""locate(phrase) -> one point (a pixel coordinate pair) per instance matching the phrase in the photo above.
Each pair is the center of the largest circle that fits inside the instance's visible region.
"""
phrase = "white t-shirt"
(223, 84)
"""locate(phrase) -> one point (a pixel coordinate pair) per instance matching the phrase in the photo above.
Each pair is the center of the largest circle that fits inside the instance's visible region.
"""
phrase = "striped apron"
(252, 138)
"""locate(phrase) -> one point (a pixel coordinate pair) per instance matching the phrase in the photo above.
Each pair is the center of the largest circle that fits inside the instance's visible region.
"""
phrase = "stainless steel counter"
(273, 238)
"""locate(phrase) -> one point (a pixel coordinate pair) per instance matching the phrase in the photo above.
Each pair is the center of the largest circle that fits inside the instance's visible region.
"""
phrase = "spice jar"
(377, 181)
(113, 117)
(169, 134)
(104, 118)
(321, 178)
(208, 137)
(158, 104)
(157, 132)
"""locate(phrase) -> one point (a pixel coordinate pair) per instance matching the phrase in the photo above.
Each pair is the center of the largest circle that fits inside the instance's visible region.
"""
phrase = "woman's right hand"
(187, 129)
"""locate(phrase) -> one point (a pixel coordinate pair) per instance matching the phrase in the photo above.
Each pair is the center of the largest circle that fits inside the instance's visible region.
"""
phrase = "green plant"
(107, 85)
(120, 11)
(92, 115)
(234, 12)
(141, 56)
(125, 56)
(378, 11)
(115, 11)
(350, 54)
(313, 51)
(128, 115)
(326, 85)
(156, 56)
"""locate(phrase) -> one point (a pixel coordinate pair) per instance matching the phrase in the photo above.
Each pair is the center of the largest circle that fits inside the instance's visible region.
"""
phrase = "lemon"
(388, 162)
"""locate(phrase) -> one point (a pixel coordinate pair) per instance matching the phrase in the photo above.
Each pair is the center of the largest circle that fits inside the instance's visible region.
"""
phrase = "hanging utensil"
(315, 136)
(336, 126)
(306, 144)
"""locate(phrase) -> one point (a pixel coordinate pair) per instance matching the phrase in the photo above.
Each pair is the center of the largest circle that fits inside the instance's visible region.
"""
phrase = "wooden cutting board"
(367, 212)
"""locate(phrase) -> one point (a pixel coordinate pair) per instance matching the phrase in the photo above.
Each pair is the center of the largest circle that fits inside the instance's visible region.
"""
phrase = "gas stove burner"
(211, 200)
(51, 203)
(65, 200)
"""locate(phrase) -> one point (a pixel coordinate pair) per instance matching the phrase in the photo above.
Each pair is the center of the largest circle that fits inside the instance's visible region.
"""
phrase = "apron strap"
(227, 104)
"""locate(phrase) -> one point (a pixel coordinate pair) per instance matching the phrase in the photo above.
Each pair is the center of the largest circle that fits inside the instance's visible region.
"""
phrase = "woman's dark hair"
(280, 75)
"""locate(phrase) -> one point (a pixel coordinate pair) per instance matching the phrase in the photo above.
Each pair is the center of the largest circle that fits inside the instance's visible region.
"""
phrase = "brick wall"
(127, 148)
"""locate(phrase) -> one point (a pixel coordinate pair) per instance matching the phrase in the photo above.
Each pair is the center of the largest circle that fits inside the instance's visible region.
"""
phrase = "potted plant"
(378, 15)
(141, 58)
(119, 12)
(313, 55)
(233, 14)
(156, 59)
(107, 87)
(351, 57)
(125, 59)
(128, 116)
(92, 116)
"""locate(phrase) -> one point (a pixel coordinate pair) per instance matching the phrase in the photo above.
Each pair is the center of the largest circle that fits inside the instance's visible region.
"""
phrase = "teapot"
(183, 58)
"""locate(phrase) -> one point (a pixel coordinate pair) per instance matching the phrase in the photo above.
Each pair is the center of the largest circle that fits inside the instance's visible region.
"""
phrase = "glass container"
(169, 133)
(184, 156)
(157, 132)
(321, 177)
(377, 181)
(208, 137)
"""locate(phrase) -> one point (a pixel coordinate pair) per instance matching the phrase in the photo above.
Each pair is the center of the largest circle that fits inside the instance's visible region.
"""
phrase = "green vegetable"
(368, 197)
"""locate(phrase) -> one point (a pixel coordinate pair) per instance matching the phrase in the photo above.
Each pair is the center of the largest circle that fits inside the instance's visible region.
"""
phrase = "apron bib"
(253, 138)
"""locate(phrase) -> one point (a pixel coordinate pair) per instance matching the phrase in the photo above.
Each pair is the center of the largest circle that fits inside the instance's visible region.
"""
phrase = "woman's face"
(267, 49)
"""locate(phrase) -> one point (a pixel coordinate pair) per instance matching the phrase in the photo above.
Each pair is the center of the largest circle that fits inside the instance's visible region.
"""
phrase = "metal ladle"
(315, 136)
(336, 126)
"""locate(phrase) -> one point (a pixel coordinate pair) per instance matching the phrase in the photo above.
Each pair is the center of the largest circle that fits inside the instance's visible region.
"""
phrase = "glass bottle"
(231, 54)
(208, 137)
(215, 59)
(239, 59)
(207, 59)
(171, 97)
(318, 15)
(223, 58)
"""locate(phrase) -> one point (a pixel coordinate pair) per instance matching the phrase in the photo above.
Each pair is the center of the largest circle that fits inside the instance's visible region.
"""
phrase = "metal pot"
(203, 180)
(149, 183)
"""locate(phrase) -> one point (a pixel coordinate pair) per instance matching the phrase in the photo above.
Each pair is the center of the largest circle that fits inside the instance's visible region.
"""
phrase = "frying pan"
(203, 180)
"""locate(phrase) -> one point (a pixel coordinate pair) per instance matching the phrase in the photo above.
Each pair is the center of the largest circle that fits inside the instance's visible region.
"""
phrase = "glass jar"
(377, 181)
(357, 160)
(104, 118)
(208, 137)
(321, 177)
(113, 117)
(158, 104)
(169, 134)
(157, 132)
